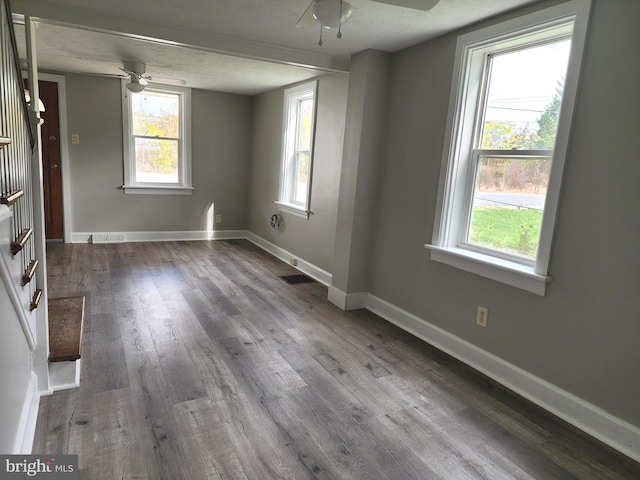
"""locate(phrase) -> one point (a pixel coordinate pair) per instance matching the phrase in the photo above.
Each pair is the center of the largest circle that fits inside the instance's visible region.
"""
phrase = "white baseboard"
(23, 443)
(347, 301)
(313, 271)
(85, 237)
(589, 418)
(317, 273)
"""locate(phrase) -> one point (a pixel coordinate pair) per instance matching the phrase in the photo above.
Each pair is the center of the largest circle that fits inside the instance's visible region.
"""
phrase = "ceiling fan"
(333, 13)
(138, 79)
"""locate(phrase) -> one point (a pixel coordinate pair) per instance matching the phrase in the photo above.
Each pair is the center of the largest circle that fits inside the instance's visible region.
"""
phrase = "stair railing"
(17, 143)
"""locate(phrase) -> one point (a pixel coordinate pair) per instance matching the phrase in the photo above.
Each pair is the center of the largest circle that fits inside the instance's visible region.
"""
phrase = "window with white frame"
(297, 149)
(157, 140)
(510, 112)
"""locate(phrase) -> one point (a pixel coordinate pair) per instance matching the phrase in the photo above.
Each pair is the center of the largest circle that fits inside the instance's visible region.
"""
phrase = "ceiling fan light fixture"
(331, 13)
(135, 85)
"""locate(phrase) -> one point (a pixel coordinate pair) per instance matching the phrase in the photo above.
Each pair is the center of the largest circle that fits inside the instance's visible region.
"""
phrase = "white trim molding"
(509, 273)
(589, 418)
(23, 443)
(305, 267)
(293, 210)
(153, 190)
(310, 269)
(168, 236)
(347, 301)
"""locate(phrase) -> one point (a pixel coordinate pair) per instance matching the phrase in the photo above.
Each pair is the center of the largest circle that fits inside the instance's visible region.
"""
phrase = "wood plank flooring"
(200, 363)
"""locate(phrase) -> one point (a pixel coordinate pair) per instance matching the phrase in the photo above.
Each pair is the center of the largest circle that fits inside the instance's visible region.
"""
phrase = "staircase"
(22, 243)
(23, 342)
(66, 317)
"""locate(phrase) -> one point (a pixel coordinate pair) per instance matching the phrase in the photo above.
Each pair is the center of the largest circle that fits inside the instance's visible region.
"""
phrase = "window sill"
(503, 271)
(156, 190)
(294, 210)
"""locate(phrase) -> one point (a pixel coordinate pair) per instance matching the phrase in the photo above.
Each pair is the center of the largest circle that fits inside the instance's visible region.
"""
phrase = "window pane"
(156, 160)
(524, 96)
(305, 119)
(156, 114)
(301, 184)
(508, 202)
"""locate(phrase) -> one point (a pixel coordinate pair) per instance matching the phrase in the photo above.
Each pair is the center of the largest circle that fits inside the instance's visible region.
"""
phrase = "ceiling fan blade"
(132, 73)
(423, 5)
(307, 19)
(109, 75)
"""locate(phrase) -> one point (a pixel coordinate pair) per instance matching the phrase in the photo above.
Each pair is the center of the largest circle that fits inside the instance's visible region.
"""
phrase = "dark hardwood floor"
(199, 362)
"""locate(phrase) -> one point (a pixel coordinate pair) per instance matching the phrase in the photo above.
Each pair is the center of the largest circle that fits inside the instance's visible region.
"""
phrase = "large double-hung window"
(157, 140)
(507, 135)
(297, 149)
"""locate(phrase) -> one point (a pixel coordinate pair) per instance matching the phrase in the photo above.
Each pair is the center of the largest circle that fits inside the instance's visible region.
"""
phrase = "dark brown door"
(51, 165)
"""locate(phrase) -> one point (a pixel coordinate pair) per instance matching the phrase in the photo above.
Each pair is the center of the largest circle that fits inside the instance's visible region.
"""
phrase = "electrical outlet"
(482, 317)
(218, 218)
(293, 261)
(75, 138)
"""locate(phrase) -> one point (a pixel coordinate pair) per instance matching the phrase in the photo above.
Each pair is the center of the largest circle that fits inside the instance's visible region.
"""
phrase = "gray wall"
(220, 155)
(312, 239)
(365, 135)
(583, 335)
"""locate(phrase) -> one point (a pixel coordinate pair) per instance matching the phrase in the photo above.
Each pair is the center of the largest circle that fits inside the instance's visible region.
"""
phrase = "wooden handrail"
(29, 272)
(21, 241)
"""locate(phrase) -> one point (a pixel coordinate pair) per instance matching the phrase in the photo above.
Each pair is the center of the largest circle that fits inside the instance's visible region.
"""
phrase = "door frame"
(64, 151)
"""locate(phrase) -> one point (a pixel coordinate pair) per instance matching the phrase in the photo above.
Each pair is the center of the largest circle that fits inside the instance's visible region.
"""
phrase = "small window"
(157, 141)
(297, 151)
(507, 136)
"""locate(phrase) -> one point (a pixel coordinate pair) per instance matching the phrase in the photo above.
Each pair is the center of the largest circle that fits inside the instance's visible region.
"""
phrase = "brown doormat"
(66, 316)
(295, 279)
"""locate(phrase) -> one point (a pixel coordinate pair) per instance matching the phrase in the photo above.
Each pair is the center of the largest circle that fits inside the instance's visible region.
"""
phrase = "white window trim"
(184, 187)
(285, 206)
(293, 209)
(452, 192)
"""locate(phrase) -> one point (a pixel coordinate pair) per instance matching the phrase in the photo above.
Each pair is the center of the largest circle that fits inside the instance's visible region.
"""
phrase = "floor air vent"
(107, 238)
(295, 279)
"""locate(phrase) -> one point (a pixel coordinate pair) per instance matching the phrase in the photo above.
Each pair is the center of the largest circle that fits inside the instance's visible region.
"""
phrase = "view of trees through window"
(522, 108)
(156, 133)
(303, 150)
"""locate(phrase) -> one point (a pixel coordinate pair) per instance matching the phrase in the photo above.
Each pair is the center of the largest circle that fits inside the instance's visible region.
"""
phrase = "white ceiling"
(239, 46)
